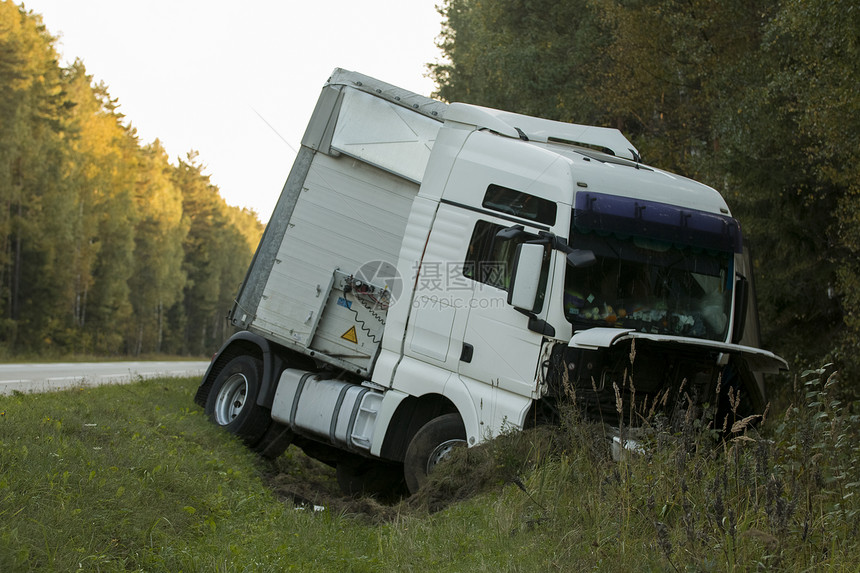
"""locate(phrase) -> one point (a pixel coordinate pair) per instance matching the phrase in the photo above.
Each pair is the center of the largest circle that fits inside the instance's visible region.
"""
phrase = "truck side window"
(491, 261)
(520, 204)
(487, 264)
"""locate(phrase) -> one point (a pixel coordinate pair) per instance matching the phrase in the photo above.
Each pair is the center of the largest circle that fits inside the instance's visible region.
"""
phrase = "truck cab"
(437, 274)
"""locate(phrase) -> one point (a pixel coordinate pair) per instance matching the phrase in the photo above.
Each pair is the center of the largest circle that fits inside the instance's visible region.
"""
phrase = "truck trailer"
(436, 274)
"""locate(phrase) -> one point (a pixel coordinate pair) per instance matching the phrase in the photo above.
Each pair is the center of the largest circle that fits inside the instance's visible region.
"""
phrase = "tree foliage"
(530, 56)
(105, 246)
(756, 98)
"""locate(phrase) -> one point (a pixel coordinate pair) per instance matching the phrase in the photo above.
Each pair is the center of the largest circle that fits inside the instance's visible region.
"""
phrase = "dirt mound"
(503, 461)
(310, 484)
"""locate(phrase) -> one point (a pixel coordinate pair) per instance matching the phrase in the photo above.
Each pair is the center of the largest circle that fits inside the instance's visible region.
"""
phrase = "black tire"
(232, 401)
(379, 479)
(430, 445)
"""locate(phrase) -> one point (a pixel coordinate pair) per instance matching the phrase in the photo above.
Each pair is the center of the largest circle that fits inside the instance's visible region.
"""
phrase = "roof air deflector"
(543, 130)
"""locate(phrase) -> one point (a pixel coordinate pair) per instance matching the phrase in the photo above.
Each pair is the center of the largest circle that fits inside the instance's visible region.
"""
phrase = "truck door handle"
(466, 354)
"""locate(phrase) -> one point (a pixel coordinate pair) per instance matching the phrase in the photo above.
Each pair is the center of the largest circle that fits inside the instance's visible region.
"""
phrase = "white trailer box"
(344, 207)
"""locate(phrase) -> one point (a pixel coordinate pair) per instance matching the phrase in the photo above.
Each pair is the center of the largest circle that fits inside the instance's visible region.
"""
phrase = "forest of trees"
(760, 99)
(106, 247)
(109, 248)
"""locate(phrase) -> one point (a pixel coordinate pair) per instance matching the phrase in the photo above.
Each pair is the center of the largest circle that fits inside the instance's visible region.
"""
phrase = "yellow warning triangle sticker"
(350, 335)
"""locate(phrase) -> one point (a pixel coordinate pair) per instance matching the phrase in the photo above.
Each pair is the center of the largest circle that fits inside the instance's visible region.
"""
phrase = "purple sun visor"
(678, 225)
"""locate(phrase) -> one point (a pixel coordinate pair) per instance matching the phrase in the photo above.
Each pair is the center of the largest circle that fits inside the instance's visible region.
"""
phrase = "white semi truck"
(434, 274)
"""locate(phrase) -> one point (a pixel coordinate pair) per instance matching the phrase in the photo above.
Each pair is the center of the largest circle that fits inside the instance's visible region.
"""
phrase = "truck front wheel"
(232, 401)
(431, 444)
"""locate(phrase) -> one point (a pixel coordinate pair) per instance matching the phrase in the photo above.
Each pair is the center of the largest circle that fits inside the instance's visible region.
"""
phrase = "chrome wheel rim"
(231, 399)
(441, 452)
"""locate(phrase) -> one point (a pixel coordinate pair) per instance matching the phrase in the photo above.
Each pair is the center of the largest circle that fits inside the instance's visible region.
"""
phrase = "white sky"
(196, 73)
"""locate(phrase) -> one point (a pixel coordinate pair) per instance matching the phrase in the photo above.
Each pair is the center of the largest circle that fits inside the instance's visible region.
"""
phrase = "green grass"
(134, 478)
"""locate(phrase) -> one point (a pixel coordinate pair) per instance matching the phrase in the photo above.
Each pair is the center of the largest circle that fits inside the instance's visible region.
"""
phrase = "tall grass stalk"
(134, 478)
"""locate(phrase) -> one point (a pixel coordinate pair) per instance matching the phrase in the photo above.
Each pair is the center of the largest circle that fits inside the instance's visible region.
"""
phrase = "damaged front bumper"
(629, 379)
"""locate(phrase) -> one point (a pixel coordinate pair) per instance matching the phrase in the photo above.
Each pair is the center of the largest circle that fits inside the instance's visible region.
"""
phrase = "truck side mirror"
(525, 276)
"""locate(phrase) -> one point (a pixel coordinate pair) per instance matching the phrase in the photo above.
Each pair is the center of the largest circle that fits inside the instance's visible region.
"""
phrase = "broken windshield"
(649, 286)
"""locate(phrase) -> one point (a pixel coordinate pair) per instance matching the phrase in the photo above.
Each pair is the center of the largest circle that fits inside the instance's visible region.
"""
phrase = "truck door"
(499, 350)
(460, 320)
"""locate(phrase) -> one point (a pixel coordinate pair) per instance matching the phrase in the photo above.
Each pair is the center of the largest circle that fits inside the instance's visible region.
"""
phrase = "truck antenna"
(293, 149)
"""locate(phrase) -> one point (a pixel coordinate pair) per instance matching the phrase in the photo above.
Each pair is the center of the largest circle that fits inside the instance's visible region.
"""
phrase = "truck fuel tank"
(334, 411)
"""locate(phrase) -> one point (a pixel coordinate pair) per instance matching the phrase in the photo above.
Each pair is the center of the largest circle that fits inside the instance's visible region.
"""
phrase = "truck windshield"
(650, 286)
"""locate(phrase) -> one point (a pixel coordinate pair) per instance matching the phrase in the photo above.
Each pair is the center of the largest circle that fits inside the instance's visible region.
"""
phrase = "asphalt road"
(60, 375)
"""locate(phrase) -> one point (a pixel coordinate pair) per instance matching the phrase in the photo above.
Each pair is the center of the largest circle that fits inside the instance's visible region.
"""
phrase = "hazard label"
(350, 335)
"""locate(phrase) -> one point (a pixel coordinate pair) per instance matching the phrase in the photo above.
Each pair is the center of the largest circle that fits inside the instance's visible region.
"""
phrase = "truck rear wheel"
(431, 444)
(232, 401)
